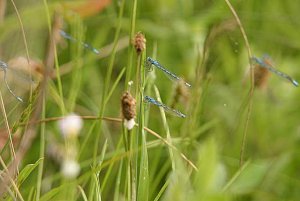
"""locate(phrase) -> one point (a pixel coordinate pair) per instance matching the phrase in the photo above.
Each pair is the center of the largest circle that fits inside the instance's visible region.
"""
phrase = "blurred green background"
(176, 31)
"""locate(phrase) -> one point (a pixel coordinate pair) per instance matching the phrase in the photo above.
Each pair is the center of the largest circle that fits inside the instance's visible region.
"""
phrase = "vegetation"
(71, 138)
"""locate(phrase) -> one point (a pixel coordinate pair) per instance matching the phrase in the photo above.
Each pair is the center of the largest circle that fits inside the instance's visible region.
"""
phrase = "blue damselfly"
(169, 74)
(72, 39)
(148, 99)
(265, 63)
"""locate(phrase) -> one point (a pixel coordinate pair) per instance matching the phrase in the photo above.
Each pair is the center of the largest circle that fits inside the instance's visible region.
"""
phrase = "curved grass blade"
(169, 74)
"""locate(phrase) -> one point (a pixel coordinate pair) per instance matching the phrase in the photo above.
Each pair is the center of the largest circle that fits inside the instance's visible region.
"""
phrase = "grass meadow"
(75, 123)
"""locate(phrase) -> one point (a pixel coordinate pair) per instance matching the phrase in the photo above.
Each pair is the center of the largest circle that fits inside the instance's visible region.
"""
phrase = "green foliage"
(200, 41)
(26, 171)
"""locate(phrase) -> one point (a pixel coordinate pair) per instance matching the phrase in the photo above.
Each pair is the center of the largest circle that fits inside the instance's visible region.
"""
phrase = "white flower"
(70, 125)
(129, 124)
(70, 169)
(130, 83)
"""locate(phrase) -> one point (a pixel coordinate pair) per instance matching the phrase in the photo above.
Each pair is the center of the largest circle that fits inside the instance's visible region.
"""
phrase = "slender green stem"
(131, 49)
(235, 176)
(53, 47)
(132, 167)
(42, 153)
(110, 168)
(143, 182)
(162, 190)
(13, 183)
(24, 40)
(118, 182)
(108, 78)
(83, 195)
(22, 29)
(166, 127)
(114, 85)
(251, 90)
(11, 145)
(76, 54)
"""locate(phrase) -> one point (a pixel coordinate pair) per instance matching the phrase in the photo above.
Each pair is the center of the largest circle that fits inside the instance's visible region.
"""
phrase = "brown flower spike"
(128, 106)
(261, 75)
(139, 42)
(128, 110)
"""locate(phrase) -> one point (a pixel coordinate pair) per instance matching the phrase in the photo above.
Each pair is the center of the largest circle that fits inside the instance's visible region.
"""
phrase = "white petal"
(129, 124)
(70, 169)
(70, 125)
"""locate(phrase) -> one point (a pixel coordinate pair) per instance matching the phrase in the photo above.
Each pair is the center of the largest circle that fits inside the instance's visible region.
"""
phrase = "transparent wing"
(8, 87)
(148, 65)
(16, 75)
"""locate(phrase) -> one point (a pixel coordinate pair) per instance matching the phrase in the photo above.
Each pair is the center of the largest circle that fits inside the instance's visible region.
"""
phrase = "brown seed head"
(139, 42)
(128, 106)
(261, 74)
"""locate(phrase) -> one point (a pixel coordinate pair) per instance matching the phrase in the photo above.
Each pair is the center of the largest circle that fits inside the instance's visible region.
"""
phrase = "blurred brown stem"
(30, 129)
(2, 10)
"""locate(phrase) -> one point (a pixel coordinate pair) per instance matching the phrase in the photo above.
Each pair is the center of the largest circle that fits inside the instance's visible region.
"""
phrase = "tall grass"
(237, 142)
